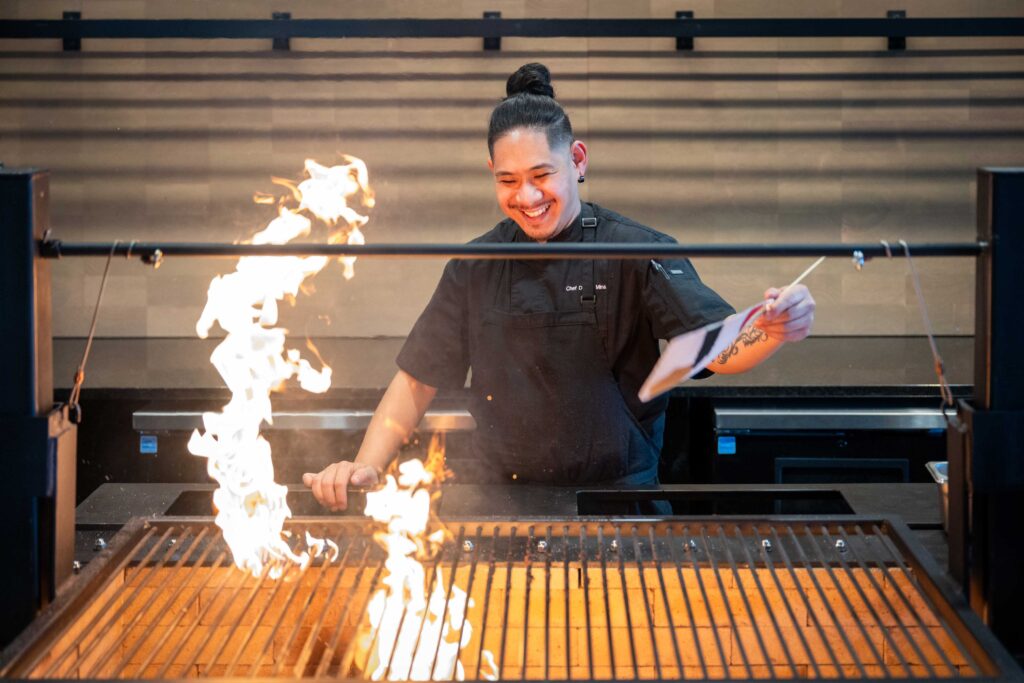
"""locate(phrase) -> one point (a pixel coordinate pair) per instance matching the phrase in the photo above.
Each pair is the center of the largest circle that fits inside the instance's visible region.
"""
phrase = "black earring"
(581, 179)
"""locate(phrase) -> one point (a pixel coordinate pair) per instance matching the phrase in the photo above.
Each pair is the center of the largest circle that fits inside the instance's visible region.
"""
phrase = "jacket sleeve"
(436, 351)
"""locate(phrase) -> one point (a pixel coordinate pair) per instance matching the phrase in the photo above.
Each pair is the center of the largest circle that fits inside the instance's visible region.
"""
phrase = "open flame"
(413, 636)
(253, 360)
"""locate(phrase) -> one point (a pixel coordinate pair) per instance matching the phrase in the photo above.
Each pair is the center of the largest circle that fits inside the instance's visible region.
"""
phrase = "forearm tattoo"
(748, 337)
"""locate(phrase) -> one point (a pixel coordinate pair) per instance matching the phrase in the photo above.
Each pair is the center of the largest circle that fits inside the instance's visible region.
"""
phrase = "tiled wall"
(740, 141)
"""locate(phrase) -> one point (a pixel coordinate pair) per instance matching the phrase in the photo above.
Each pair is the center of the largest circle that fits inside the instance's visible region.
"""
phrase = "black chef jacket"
(637, 304)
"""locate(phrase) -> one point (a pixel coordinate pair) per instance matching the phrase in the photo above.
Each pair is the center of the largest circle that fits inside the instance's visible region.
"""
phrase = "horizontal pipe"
(154, 251)
(498, 28)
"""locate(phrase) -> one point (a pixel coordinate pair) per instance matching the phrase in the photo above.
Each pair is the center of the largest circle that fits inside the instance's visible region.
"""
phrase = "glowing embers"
(253, 361)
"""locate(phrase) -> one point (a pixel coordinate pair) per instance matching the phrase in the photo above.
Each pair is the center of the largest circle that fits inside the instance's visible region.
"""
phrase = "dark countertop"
(363, 367)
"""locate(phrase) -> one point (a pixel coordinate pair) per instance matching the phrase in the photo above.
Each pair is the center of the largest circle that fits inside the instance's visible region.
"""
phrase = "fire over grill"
(550, 599)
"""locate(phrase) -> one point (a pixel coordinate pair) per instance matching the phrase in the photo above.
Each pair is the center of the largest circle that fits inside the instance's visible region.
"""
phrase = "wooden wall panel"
(764, 140)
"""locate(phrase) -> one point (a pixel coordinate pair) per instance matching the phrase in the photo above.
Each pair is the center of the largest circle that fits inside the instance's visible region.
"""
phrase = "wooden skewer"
(785, 289)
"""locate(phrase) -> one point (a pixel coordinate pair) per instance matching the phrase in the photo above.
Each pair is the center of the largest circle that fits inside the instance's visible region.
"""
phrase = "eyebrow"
(533, 168)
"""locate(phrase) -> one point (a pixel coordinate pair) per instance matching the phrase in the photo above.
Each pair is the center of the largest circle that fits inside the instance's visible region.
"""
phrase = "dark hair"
(530, 104)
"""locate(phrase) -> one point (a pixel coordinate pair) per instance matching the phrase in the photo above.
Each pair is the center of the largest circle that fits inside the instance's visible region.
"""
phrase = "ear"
(490, 164)
(580, 159)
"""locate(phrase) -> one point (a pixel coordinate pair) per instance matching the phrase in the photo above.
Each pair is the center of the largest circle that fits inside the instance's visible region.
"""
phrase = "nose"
(527, 195)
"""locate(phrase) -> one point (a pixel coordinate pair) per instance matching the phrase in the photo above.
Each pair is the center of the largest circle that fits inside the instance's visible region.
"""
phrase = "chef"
(556, 349)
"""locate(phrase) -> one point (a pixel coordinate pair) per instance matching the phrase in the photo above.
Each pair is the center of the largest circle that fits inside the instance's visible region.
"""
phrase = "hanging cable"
(74, 408)
(940, 369)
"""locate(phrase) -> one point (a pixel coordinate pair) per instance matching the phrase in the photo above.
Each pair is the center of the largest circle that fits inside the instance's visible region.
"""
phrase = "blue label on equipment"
(147, 444)
(727, 445)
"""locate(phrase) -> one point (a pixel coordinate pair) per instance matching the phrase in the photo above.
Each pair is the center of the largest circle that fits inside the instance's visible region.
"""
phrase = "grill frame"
(993, 662)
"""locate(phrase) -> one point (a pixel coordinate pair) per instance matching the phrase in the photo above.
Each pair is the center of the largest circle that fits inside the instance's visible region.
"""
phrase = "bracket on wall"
(72, 44)
(491, 44)
(684, 42)
(282, 43)
(897, 42)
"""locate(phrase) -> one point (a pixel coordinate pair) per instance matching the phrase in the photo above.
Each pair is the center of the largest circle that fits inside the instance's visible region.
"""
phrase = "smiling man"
(557, 348)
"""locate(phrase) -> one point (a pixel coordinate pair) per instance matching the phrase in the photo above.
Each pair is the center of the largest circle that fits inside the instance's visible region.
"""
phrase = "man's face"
(537, 186)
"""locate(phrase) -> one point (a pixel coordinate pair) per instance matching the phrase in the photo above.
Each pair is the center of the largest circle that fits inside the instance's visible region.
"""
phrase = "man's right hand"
(330, 486)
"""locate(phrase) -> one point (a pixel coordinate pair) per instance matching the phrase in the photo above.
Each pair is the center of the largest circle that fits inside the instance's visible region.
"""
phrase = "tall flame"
(253, 360)
(413, 636)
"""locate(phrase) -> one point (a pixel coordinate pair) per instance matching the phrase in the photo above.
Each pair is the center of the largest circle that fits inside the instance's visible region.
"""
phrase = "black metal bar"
(221, 561)
(565, 595)
(638, 558)
(314, 632)
(809, 568)
(897, 42)
(508, 598)
(497, 28)
(164, 600)
(729, 611)
(457, 552)
(487, 605)
(547, 606)
(892, 610)
(296, 622)
(105, 618)
(604, 594)
(684, 43)
(469, 594)
(528, 566)
(807, 606)
(349, 653)
(766, 552)
(620, 551)
(172, 656)
(976, 656)
(692, 550)
(826, 564)
(260, 618)
(346, 658)
(492, 43)
(229, 632)
(764, 599)
(282, 44)
(72, 44)
(586, 597)
(664, 598)
(154, 251)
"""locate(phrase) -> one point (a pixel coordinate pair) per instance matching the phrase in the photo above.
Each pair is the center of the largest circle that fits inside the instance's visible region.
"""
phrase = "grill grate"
(549, 599)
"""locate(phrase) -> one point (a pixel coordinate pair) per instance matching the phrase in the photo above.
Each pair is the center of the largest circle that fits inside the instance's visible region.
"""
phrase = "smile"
(538, 212)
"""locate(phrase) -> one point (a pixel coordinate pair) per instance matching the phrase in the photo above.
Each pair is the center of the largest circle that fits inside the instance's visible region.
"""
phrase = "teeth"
(536, 212)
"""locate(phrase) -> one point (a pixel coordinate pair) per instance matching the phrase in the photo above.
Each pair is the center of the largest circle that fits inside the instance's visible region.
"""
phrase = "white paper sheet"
(689, 353)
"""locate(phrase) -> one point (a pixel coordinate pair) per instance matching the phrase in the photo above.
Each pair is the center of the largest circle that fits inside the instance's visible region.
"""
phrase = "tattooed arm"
(787, 318)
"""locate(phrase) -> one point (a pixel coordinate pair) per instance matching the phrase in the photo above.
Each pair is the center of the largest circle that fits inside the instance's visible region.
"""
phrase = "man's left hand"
(787, 316)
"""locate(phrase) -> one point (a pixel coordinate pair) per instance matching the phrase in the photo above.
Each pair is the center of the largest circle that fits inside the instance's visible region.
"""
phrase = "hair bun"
(531, 78)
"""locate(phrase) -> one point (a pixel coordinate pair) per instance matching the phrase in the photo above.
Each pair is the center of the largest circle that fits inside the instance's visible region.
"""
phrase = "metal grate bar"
(348, 655)
(807, 605)
(766, 549)
(307, 647)
(852, 579)
(469, 592)
(110, 617)
(746, 605)
(102, 658)
(908, 576)
(172, 597)
(222, 561)
(638, 558)
(328, 654)
(658, 562)
(849, 607)
(775, 598)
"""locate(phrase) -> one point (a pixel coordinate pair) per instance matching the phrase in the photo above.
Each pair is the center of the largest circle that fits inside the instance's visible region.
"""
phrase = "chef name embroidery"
(579, 288)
